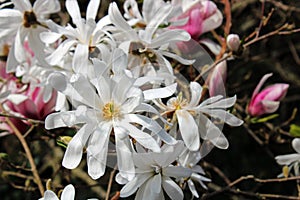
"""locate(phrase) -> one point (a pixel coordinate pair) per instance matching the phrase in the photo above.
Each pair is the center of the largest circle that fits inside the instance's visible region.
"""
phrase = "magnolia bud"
(233, 42)
(266, 101)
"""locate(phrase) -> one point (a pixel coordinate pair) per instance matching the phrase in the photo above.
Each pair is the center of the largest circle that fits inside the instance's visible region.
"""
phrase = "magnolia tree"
(112, 92)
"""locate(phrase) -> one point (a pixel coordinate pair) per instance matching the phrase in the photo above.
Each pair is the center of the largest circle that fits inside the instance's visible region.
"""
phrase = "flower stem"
(27, 151)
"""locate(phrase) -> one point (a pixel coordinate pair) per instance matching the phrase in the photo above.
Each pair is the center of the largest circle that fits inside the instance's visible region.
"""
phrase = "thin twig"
(22, 118)
(218, 171)
(250, 177)
(227, 12)
(27, 151)
(110, 182)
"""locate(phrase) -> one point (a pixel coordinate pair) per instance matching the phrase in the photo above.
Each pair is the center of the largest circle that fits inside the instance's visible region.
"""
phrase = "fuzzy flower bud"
(266, 101)
(233, 42)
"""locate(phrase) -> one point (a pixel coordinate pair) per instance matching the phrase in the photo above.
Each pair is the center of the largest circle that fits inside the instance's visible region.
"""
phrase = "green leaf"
(256, 120)
(294, 130)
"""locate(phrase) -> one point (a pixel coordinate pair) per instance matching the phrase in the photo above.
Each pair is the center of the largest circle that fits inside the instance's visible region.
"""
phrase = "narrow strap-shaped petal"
(287, 159)
(143, 138)
(68, 193)
(160, 92)
(23, 5)
(224, 116)
(97, 150)
(124, 153)
(81, 58)
(92, 9)
(74, 11)
(177, 172)
(188, 129)
(196, 91)
(160, 15)
(169, 36)
(45, 7)
(152, 125)
(172, 189)
(134, 184)
(74, 150)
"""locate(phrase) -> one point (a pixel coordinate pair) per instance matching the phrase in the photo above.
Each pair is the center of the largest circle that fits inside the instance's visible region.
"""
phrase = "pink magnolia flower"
(266, 101)
(203, 16)
(34, 106)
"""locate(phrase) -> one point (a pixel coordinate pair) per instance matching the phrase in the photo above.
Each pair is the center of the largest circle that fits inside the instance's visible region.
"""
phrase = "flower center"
(29, 19)
(179, 102)
(110, 111)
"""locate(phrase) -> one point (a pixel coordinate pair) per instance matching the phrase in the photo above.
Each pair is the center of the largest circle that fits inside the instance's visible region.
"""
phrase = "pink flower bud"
(233, 42)
(217, 80)
(203, 16)
(266, 101)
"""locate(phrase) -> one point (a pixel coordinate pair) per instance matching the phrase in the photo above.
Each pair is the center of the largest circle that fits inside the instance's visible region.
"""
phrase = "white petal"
(160, 15)
(160, 92)
(19, 48)
(224, 116)
(119, 62)
(134, 184)
(296, 144)
(152, 126)
(46, 7)
(141, 137)
(97, 150)
(74, 11)
(49, 195)
(188, 129)
(24, 5)
(117, 19)
(169, 36)
(287, 159)
(196, 91)
(224, 103)
(50, 37)
(178, 58)
(92, 9)
(172, 189)
(124, 154)
(81, 58)
(10, 20)
(155, 184)
(37, 45)
(192, 188)
(68, 193)
(60, 52)
(177, 172)
(17, 98)
(74, 150)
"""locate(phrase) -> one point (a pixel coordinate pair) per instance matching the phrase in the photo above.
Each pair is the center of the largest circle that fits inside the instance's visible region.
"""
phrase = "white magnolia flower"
(153, 172)
(84, 40)
(25, 21)
(190, 160)
(105, 106)
(67, 194)
(291, 160)
(149, 41)
(192, 117)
